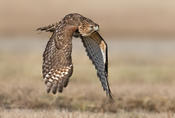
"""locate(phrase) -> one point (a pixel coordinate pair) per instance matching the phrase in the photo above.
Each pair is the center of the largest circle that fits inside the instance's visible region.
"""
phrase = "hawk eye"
(91, 27)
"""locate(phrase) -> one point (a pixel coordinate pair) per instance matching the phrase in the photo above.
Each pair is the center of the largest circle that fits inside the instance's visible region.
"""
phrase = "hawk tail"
(49, 28)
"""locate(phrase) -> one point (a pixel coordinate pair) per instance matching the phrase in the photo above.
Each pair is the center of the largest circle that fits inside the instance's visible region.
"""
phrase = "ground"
(141, 75)
(18, 113)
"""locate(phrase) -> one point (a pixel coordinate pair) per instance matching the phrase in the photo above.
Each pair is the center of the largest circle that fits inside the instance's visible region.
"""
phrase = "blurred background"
(116, 17)
(140, 35)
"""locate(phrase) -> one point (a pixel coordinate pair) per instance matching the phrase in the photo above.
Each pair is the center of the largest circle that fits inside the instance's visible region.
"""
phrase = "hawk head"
(85, 26)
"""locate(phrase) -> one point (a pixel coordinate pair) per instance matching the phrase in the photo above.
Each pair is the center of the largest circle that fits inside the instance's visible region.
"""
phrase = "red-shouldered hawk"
(57, 62)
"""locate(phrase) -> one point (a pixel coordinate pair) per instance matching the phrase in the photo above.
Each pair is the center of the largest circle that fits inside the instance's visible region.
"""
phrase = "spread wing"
(97, 51)
(57, 63)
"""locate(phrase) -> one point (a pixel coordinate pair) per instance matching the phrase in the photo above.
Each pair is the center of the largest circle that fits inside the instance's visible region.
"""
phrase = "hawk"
(57, 65)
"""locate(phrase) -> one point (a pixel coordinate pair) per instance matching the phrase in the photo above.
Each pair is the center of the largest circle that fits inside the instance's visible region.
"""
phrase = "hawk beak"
(96, 28)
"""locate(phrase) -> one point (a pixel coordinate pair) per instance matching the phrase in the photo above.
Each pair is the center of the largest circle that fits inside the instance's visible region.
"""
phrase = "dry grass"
(19, 113)
(141, 86)
(136, 82)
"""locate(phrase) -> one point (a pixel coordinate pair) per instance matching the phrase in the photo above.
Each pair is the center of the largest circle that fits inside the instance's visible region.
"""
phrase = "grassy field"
(141, 75)
(140, 37)
(18, 113)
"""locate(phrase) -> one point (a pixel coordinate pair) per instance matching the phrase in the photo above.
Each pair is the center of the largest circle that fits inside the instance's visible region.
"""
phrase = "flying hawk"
(57, 65)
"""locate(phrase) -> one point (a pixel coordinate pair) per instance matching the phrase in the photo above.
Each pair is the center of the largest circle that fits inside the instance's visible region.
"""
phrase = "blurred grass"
(16, 113)
(137, 83)
(141, 71)
(136, 17)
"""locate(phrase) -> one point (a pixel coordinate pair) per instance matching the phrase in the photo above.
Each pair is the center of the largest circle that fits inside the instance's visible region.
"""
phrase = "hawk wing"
(97, 51)
(57, 63)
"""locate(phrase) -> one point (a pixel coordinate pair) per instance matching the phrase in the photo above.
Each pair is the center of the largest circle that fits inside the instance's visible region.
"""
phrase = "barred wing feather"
(97, 51)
